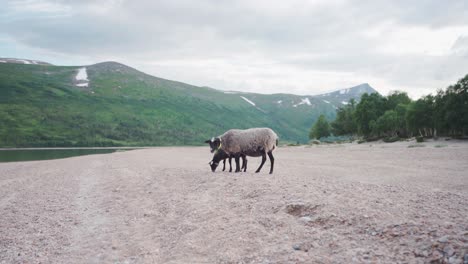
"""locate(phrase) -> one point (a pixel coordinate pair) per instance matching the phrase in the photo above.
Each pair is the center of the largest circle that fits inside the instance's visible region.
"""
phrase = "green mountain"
(109, 104)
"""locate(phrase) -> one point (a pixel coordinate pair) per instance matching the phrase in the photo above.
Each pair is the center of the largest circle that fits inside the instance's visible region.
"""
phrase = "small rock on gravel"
(443, 239)
(454, 260)
(436, 256)
(449, 251)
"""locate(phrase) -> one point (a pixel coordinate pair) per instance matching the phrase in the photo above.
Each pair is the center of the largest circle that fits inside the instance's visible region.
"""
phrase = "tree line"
(396, 115)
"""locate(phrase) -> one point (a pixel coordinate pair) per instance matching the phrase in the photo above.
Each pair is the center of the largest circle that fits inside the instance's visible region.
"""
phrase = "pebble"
(443, 239)
(436, 256)
(454, 260)
(305, 219)
(296, 247)
(465, 258)
(449, 251)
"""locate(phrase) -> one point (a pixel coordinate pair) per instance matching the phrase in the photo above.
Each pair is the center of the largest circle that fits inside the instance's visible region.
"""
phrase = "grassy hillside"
(41, 105)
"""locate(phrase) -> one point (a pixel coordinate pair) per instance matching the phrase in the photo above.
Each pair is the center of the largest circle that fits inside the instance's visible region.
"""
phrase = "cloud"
(295, 46)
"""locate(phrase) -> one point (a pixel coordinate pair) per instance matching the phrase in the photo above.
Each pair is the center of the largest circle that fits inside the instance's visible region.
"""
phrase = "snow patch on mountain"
(24, 61)
(82, 75)
(303, 101)
(82, 78)
(253, 104)
(344, 91)
(248, 101)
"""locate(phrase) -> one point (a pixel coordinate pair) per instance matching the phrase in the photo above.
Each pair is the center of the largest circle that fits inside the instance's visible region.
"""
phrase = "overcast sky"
(301, 47)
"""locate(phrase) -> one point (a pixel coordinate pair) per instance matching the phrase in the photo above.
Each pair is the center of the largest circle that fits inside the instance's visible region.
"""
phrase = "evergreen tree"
(320, 129)
(345, 124)
(395, 98)
(386, 124)
(420, 116)
(369, 109)
(456, 107)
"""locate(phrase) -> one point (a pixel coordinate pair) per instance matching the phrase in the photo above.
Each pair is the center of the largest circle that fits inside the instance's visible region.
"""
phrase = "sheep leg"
(244, 165)
(272, 161)
(263, 162)
(236, 158)
(224, 164)
(230, 164)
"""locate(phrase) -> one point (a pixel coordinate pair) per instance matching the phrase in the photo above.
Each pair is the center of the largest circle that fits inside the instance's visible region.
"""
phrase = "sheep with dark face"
(253, 142)
(220, 155)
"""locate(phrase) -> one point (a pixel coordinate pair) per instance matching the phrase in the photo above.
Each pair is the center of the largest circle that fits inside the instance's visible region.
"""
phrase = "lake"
(48, 154)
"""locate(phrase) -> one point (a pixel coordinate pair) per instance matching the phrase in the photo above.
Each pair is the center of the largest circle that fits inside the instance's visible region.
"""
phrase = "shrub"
(419, 139)
(391, 139)
(314, 142)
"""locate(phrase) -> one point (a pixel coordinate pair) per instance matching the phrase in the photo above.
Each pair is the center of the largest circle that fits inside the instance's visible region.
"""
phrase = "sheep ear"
(207, 141)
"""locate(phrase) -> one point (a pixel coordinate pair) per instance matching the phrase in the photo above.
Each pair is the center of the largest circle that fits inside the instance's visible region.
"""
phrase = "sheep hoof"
(257, 171)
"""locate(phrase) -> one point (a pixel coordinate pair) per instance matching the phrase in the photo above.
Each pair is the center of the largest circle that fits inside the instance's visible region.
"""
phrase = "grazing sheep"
(251, 142)
(221, 155)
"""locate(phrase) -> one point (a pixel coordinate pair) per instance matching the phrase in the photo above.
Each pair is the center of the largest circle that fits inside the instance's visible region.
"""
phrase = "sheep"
(221, 155)
(251, 142)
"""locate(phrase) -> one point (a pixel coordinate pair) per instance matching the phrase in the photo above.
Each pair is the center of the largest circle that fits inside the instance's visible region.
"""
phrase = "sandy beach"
(362, 203)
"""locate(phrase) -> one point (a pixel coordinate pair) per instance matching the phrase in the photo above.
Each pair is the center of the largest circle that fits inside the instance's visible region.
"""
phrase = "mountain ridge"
(23, 61)
(363, 86)
(110, 103)
(116, 63)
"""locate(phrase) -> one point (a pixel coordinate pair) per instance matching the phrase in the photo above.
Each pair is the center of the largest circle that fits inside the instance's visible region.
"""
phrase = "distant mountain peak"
(341, 97)
(113, 66)
(112, 63)
(364, 88)
(358, 89)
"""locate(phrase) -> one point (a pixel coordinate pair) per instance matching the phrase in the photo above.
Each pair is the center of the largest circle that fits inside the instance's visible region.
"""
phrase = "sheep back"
(253, 140)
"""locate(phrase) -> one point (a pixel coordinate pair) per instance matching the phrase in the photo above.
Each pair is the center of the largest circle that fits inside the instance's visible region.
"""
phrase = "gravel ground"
(375, 203)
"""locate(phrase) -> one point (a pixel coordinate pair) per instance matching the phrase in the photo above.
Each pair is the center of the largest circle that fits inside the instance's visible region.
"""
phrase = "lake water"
(47, 154)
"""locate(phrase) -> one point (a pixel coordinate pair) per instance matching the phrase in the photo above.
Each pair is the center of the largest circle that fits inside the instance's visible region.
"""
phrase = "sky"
(300, 47)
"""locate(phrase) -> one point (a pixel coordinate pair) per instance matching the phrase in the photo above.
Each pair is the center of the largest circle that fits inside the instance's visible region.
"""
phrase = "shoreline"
(71, 148)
